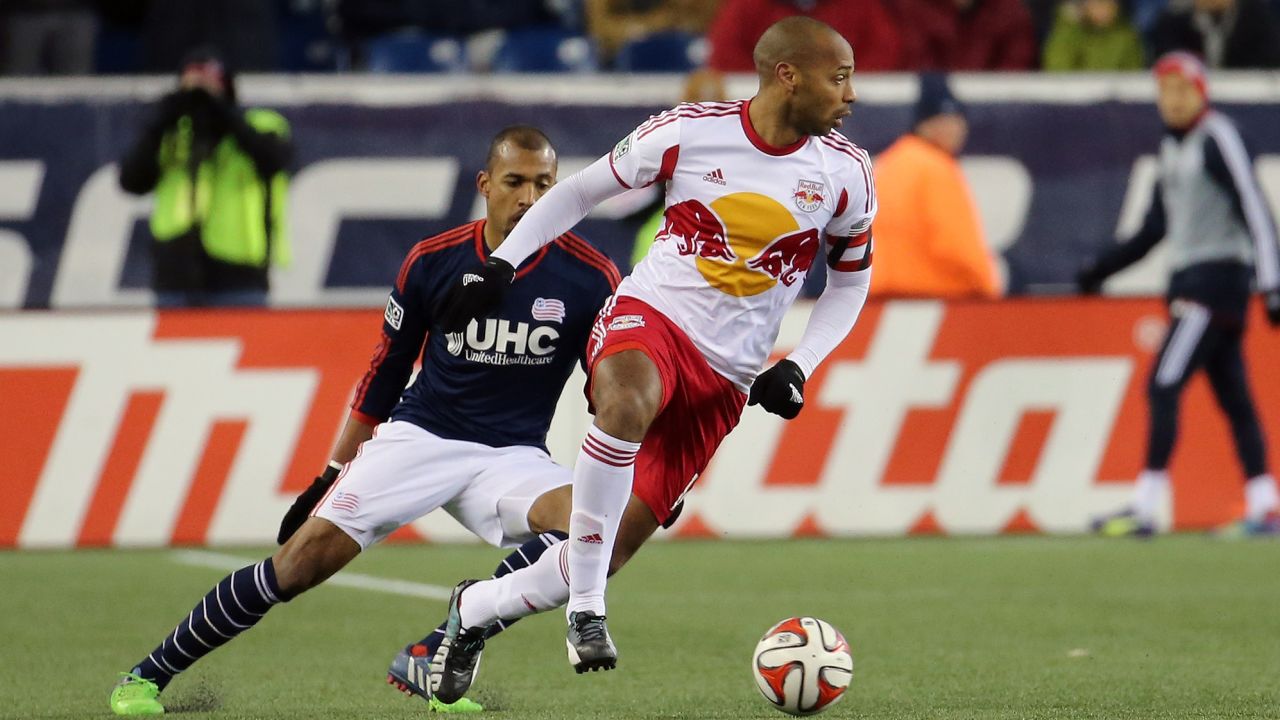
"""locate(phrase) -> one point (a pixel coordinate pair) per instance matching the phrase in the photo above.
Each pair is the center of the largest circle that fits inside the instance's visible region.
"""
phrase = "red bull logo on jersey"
(808, 195)
(789, 257)
(743, 243)
(696, 230)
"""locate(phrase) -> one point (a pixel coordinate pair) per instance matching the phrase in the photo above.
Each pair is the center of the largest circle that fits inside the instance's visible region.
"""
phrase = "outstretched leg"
(234, 605)
(410, 669)
(523, 556)
(544, 585)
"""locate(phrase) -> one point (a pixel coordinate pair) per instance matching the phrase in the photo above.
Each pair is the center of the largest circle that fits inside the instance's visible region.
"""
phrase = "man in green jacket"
(218, 176)
(1092, 35)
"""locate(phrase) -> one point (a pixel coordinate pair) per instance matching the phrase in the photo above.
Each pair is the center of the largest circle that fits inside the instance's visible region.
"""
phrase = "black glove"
(780, 390)
(474, 295)
(1272, 300)
(1089, 279)
(301, 508)
(171, 107)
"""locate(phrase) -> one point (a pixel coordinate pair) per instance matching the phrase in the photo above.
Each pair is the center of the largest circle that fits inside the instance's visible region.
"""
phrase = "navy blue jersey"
(498, 383)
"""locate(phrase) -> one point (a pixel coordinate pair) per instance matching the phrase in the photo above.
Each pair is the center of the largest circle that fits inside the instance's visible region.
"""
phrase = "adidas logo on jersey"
(715, 176)
(592, 539)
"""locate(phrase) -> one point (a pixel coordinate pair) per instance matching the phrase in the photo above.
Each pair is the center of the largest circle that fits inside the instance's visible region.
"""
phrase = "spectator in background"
(1145, 13)
(967, 35)
(365, 18)
(217, 173)
(867, 25)
(1092, 35)
(1226, 33)
(1220, 236)
(1043, 15)
(46, 37)
(614, 23)
(243, 30)
(929, 240)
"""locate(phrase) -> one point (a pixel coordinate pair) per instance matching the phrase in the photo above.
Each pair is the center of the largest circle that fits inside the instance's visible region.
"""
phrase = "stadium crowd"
(128, 36)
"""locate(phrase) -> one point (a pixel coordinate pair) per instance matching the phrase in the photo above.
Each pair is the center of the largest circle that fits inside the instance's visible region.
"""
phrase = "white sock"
(601, 488)
(537, 588)
(1149, 493)
(1260, 497)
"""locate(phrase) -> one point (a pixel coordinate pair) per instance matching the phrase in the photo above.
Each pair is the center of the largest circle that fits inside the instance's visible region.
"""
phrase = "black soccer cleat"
(590, 647)
(456, 661)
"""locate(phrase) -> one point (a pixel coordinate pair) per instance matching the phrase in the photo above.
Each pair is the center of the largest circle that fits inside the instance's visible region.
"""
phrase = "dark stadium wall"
(1053, 181)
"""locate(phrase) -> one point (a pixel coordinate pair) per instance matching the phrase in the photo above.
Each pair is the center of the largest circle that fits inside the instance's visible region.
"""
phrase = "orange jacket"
(928, 241)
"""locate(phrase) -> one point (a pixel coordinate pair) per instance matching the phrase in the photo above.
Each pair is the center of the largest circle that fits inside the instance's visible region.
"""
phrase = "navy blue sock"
(524, 556)
(234, 605)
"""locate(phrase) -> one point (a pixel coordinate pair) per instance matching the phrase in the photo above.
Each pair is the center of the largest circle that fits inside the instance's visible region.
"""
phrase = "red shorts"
(699, 406)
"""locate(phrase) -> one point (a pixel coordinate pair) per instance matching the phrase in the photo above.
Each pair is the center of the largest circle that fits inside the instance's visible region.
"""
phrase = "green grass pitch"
(1031, 627)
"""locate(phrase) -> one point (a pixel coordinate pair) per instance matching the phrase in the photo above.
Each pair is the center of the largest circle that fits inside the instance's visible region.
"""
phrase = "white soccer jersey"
(743, 224)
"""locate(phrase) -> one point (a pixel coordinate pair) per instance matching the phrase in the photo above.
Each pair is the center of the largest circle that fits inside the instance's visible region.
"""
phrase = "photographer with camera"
(218, 175)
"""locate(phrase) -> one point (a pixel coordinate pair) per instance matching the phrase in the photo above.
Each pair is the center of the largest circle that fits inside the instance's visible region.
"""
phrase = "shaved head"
(798, 40)
(806, 78)
(518, 137)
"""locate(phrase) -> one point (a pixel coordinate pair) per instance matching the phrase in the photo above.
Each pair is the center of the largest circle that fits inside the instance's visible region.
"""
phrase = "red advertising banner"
(189, 427)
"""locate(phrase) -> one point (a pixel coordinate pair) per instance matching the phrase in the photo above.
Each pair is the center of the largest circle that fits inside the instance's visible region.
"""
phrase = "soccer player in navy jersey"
(468, 435)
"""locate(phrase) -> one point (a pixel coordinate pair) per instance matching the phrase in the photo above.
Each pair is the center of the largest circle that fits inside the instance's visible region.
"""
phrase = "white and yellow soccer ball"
(802, 665)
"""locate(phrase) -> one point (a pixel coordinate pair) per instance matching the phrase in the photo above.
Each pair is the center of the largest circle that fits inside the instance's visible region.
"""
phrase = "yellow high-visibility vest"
(229, 198)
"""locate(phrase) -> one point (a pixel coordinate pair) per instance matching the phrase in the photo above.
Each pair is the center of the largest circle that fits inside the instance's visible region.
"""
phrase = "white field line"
(222, 561)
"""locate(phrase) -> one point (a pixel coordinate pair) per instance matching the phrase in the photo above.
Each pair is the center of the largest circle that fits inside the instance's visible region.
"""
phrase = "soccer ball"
(802, 665)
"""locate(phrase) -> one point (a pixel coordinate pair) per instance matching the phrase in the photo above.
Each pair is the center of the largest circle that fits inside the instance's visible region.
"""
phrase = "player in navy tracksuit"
(1214, 219)
(468, 435)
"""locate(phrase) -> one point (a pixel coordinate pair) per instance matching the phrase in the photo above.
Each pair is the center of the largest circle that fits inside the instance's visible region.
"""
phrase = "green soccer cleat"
(1124, 523)
(464, 705)
(135, 695)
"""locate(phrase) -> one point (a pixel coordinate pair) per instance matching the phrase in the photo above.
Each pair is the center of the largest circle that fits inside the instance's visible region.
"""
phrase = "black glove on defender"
(474, 295)
(301, 508)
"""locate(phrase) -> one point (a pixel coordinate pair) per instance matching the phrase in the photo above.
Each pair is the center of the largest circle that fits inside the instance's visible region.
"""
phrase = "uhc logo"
(502, 342)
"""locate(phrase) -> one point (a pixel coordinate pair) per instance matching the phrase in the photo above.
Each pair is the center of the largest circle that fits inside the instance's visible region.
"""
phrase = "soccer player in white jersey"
(757, 190)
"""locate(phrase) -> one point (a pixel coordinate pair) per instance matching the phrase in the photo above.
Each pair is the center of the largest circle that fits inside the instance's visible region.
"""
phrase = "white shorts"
(405, 472)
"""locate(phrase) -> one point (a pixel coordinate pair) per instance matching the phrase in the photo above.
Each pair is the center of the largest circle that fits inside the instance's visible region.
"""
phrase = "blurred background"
(1061, 125)
(991, 399)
